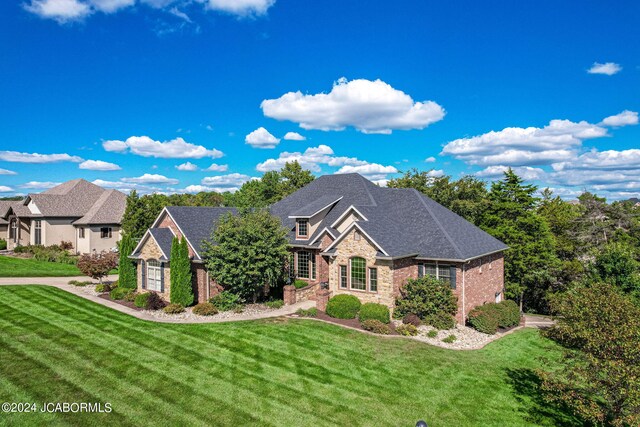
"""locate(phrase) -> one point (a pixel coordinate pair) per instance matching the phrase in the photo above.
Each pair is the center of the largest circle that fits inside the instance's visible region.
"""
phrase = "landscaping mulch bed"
(352, 323)
(129, 304)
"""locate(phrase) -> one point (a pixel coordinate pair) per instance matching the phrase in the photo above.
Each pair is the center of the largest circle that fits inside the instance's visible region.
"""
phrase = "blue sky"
(144, 86)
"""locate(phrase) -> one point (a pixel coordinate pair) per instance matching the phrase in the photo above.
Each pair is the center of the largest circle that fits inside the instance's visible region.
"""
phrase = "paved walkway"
(62, 283)
(540, 322)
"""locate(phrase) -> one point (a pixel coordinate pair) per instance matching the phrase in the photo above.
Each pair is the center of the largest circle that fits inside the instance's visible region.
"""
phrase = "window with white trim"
(154, 275)
(81, 233)
(358, 274)
(37, 238)
(444, 272)
(343, 276)
(373, 279)
(303, 227)
(13, 230)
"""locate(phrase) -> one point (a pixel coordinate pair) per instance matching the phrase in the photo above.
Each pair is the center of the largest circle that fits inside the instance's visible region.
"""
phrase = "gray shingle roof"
(108, 209)
(164, 238)
(197, 222)
(315, 206)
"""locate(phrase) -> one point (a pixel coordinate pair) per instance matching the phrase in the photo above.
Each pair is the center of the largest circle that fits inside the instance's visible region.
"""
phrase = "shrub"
(142, 300)
(343, 306)
(66, 246)
(174, 308)
(181, 291)
(441, 320)
(425, 296)
(79, 283)
(103, 287)
(3, 244)
(21, 249)
(119, 293)
(376, 326)
(225, 301)
(449, 339)
(278, 303)
(311, 312)
(97, 265)
(407, 329)
(155, 302)
(205, 309)
(300, 284)
(509, 314)
(432, 333)
(484, 319)
(372, 310)
(411, 319)
(131, 296)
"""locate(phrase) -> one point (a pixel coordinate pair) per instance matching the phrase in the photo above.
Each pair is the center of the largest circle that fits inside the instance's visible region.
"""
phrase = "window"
(154, 276)
(357, 236)
(292, 266)
(303, 264)
(313, 266)
(358, 274)
(105, 233)
(373, 279)
(81, 233)
(37, 238)
(439, 271)
(343, 276)
(13, 231)
(303, 227)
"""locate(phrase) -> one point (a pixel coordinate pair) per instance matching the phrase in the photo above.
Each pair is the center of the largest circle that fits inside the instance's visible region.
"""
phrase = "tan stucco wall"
(348, 248)
(346, 221)
(99, 244)
(24, 235)
(83, 246)
(55, 230)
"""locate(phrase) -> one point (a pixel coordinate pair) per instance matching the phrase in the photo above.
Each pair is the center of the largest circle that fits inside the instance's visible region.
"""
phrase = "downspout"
(208, 284)
(464, 306)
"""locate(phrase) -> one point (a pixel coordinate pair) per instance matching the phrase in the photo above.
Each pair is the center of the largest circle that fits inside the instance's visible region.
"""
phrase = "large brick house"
(353, 237)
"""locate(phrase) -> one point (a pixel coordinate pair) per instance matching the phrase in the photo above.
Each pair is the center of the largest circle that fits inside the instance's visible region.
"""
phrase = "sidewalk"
(62, 283)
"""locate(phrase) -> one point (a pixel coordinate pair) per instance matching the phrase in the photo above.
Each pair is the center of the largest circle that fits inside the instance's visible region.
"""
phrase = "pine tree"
(181, 291)
(126, 267)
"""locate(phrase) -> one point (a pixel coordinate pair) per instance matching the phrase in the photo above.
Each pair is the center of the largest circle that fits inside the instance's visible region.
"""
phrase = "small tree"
(97, 265)
(249, 252)
(426, 296)
(126, 267)
(600, 379)
(181, 291)
(616, 264)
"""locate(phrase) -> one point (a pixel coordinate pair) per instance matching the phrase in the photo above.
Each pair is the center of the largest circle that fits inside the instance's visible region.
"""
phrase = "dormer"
(309, 217)
(351, 215)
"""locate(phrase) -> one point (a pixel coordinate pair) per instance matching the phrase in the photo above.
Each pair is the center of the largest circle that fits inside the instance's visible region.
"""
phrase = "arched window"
(359, 274)
(154, 275)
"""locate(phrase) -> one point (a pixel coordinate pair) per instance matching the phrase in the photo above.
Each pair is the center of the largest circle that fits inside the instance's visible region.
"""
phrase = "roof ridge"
(365, 185)
(444, 231)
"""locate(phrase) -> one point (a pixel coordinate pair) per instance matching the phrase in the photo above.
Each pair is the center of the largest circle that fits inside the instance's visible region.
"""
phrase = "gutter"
(393, 258)
(461, 260)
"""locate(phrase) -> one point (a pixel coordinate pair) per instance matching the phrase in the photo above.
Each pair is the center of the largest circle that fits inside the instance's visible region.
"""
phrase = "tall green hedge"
(181, 291)
(126, 267)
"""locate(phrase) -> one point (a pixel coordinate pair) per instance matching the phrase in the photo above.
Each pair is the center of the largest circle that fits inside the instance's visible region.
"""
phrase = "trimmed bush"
(174, 309)
(103, 287)
(181, 291)
(311, 312)
(411, 319)
(484, 319)
(205, 309)
(226, 301)
(343, 306)
(300, 284)
(509, 314)
(432, 333)
(79, 283)
(407, 329)
(3, 244)
(131, 296)
(278, 303)
(376, 326)
(441, 320)
(149, 301)
(449, 339)
(424, 297)
(372, 310)
(141, 300)
(119, 293)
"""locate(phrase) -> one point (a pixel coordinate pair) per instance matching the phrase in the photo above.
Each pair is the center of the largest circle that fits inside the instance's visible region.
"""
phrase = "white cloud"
(7, 172)
(626, 118)
(128, 186)
(372, 171)
(190, 167)
(294, 136)
(430, 159)
(311, 159)
(435, 173)
(5, 189)
(603, 160)
(39, 184)
(528, 173)
(110, 6)
(176, 148)
(217, 168)
(241, 7)
(99, 165)
(261, 138)
(150, 179)
(15, 156)
(368, 106)
(59, 10)
(559, 141)
(221, 183)
(608, 68)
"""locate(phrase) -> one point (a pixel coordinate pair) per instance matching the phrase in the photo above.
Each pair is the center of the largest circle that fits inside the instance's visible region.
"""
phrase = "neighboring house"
(76, 211)
(356, 237)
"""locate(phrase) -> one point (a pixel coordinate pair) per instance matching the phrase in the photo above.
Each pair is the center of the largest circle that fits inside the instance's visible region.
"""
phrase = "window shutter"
(420, 270)
(162, 277)
(453, 276)
(143, 266)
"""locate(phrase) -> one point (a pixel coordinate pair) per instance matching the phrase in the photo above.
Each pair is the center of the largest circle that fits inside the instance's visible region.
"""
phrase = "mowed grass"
(28, 267)
(56, 347)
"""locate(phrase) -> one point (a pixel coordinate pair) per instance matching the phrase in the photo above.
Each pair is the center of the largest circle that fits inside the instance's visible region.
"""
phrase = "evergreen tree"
(181, 291)
(126, 267)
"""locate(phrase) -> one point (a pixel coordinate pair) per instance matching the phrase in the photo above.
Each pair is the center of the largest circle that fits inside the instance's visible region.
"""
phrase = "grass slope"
(56, 347)
(28, 267)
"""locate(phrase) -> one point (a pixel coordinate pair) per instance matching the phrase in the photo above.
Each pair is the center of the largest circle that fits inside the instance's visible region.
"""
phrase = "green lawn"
(56, 347)
(28, 267)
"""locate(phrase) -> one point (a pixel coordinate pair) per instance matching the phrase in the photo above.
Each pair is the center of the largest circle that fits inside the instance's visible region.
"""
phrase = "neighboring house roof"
(402, 222)
(15, 207)
(108, 209)
(196, 223)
